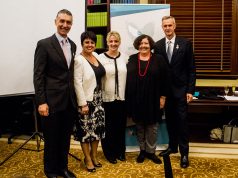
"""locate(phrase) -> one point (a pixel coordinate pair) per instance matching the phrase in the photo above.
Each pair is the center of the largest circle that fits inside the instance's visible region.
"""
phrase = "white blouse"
(109, 89)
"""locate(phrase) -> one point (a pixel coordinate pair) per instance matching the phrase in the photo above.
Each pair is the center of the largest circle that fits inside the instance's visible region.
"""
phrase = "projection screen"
(23, 23)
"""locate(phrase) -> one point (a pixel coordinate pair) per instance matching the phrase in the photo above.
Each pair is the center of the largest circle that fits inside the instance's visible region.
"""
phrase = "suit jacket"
(182, 72)
(53, 80)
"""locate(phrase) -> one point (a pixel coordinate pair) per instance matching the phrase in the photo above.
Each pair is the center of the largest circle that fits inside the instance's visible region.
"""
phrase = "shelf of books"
(89, 2)
(98, 19)
(124, 1)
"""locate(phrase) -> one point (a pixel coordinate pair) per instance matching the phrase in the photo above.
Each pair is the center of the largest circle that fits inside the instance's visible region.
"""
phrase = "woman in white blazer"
(90, 127)
(113, 87)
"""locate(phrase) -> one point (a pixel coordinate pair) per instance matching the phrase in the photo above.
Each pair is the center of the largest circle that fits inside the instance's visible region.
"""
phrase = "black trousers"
(57, 130)
(113, 144)
(177, 124)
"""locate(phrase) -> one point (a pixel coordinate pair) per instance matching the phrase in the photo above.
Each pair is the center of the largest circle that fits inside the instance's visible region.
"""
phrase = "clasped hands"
(83, 109)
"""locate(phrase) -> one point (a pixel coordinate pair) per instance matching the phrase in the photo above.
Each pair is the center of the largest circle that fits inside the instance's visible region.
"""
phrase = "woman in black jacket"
(145, 94)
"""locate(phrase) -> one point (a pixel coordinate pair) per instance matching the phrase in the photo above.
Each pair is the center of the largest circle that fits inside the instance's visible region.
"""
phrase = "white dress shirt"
(171, 44)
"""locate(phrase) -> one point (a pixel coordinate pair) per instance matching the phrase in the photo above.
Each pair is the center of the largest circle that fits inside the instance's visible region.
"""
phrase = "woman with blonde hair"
(113, 87)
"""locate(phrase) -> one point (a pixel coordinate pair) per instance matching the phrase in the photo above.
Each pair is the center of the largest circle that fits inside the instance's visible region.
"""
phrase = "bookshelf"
(98, 19)
(124, 1)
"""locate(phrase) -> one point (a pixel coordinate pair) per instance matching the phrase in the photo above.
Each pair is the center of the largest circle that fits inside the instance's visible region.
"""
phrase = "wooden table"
(206, 114)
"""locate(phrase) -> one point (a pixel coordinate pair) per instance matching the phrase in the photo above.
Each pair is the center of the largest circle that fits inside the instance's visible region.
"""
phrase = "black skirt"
(91, 127)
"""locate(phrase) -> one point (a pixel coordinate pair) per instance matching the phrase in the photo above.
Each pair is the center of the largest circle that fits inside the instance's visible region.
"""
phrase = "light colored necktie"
(66, 51)
(169, 53)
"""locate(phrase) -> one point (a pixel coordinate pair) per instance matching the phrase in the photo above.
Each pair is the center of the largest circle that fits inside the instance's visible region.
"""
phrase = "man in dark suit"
(182, 77)
(55, 95)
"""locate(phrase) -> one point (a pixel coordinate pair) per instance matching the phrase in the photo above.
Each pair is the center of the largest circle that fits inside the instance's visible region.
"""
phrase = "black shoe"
(122, 157)
(154, 158)
(141, 157)
(67, 174)
(167, 152)
(112, 160)
(184, 161)
(97, 165)
(51, 176)
(89, 169)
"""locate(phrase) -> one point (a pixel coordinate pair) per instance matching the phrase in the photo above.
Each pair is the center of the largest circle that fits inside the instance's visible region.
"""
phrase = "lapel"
(56, 45)
(164, 47)
(175, 49)
(163, 44)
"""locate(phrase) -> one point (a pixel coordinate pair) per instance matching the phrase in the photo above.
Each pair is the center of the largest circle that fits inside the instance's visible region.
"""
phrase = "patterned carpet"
(28, 164)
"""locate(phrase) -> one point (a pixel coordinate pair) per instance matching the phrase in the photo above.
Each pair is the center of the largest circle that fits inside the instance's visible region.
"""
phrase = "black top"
(99, 72)
(143, 92)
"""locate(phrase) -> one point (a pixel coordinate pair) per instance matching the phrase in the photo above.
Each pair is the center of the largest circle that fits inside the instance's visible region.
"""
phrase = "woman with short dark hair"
(145, 94)
(90, 128)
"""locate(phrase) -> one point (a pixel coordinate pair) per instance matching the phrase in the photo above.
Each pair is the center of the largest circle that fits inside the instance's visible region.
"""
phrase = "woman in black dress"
(90, 128)
(145, 94)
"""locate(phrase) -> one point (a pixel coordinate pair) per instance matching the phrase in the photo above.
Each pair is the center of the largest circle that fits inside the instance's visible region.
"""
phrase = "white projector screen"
(23, 23)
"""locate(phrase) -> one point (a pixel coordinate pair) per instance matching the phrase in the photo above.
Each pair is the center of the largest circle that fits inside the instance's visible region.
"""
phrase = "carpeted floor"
(28, 164)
